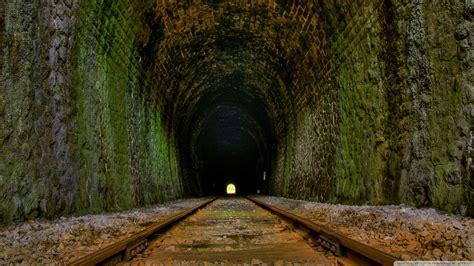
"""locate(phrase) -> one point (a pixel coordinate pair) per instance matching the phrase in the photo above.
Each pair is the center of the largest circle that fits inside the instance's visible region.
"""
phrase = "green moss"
(56, 88)
(108, 82)
(449, 198)
(449, 192)
(360, 162)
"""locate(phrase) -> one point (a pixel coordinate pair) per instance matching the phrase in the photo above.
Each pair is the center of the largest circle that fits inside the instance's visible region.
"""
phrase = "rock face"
(109, 106)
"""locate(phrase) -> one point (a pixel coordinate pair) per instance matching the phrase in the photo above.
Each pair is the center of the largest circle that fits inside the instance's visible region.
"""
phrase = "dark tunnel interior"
(230, 139)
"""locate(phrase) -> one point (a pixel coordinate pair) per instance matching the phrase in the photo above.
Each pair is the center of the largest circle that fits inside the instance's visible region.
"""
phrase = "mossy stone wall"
(396, 81)
(79, 131)
(127, 157)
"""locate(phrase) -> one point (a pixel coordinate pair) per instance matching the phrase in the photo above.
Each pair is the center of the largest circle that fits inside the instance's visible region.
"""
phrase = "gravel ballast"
(406, 232)
(63, 240)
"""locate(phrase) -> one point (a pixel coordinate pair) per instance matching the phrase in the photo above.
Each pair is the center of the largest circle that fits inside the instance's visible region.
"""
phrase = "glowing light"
(231, 189)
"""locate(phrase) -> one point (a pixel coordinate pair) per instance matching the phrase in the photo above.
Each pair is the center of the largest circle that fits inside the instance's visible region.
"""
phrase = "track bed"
(232, 230)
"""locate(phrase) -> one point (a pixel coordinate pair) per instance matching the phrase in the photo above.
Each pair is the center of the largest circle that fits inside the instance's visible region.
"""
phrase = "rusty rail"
(128, 247)
(349, 250)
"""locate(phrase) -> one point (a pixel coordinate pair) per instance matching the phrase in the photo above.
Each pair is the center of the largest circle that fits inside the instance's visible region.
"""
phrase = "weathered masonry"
(110, 105)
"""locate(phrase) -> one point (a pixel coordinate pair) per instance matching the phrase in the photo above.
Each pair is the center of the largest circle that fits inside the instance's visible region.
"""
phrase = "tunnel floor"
(412, 234)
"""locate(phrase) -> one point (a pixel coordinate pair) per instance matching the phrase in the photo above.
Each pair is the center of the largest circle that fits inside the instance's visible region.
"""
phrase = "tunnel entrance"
(231, 189)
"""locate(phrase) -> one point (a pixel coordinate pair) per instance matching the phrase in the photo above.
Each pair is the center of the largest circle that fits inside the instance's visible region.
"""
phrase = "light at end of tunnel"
(231, 189)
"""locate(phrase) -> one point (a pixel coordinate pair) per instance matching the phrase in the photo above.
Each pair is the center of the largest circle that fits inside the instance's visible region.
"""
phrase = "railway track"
(349, 251)
(237, 230)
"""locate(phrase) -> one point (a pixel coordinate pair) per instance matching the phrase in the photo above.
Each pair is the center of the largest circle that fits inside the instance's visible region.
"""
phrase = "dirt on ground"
(232, 231)
(63, 240)
(406, 232)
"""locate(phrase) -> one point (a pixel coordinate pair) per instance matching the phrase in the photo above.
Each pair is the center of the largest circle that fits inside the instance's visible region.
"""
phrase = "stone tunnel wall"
(35, 166)
(127, 157)
(390, 115)
(78, 133)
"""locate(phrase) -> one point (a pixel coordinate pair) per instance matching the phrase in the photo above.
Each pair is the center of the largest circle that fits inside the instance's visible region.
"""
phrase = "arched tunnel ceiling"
(194, 45)
(229, 57)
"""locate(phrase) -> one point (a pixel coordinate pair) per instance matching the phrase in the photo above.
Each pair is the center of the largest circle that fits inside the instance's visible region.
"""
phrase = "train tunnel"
(112, 105)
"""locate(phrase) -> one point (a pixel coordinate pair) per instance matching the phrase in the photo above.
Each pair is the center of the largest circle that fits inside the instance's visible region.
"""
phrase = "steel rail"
(128, 247)
(340, 245)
